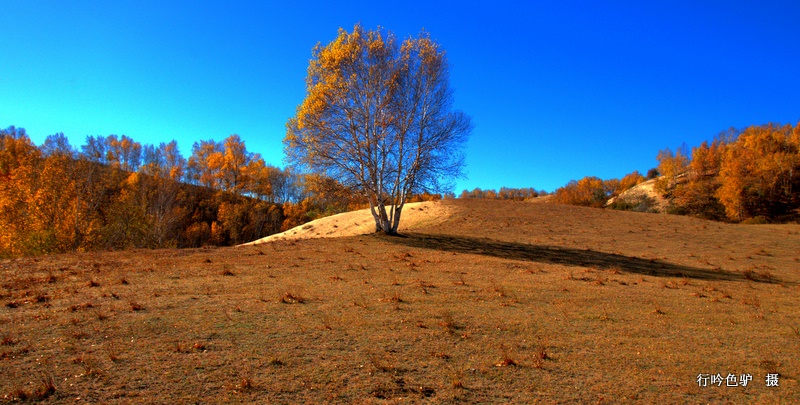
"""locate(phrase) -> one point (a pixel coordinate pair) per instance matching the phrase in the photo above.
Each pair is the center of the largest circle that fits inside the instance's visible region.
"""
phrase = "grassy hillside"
(504, 301)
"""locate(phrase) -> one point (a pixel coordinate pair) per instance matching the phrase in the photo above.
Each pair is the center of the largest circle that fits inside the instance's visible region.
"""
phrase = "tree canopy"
(378, 117)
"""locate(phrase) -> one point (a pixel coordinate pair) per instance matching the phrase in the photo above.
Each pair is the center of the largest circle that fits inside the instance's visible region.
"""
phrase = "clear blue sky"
(557, 90)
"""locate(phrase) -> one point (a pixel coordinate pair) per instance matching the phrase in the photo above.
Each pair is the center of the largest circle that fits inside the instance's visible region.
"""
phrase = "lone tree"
(378, 118)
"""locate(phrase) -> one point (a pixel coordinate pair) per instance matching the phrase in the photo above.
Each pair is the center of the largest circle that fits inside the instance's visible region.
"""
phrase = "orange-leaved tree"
(589, 191)
(378, 118)
(697, 195)
(19, 159)
(671, 166)
(759, 173)
(628, 181)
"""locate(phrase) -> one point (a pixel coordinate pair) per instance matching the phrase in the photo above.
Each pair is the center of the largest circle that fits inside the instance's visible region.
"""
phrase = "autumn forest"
(115, 193)
(751, 176)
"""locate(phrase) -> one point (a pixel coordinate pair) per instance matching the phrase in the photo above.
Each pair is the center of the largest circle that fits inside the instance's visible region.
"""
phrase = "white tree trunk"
(384, 222)
(396, 220)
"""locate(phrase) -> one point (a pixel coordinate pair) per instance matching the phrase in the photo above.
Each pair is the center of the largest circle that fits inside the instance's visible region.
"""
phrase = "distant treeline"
(115, 193)
(750, 175)
(505, 193)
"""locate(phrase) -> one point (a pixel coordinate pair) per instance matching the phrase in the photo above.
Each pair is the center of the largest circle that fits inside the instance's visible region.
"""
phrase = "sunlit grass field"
(502, 302)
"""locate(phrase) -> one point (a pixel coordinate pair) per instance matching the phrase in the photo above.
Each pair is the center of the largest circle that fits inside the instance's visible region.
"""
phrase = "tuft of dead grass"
(796, 330)
(8, 340)
(91, 366)
(539, 356)
(44, 390)
(448, 322)
(505, 360)
(80, 307)
(290, 298)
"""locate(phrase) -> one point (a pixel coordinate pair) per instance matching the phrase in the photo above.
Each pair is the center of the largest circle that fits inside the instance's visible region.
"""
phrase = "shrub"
(637, 203)
(756, 220)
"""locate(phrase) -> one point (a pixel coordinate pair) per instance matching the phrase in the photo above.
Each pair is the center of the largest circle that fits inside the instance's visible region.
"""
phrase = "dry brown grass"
(567, 305)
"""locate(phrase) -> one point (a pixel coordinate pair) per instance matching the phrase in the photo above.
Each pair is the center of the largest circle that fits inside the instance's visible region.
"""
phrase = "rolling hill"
(484, 302)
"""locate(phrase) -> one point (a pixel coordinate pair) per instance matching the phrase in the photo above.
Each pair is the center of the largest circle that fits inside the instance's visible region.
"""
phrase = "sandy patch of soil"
(640, 191)
(415, 215)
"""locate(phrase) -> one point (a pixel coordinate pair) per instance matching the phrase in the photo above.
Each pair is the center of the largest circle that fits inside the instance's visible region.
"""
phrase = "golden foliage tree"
(162, 172)
(378, 117)
(589, 191)
(205, 164)
(671, 165)
(19, 159)
(51, 205)
(235, 159)
(123, 153)
(760, 173)
(697, 195)
(629, 180)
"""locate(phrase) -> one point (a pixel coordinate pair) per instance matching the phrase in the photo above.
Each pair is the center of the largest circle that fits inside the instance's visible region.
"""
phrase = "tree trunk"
(374, 215)
(382, 221)
(396, 220)
(385, 222)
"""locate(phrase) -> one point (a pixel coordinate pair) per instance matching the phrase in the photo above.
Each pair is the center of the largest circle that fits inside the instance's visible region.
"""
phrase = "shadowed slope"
(560, 255)
(640, 243)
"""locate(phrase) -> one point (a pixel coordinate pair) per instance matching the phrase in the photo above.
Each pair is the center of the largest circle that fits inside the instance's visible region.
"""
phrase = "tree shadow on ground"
(562, 255)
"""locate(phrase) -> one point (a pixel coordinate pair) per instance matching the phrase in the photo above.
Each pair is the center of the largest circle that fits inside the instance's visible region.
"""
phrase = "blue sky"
(557, 90)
